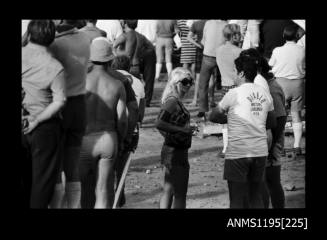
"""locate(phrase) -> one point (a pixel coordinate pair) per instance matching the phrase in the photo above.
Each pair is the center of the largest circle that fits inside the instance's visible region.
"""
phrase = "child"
(225, 57)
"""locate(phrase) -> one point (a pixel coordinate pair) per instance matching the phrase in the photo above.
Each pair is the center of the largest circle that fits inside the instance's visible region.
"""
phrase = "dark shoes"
(201, 115)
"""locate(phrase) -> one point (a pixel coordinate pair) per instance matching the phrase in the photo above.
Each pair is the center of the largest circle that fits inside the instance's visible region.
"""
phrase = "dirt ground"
(207, 188)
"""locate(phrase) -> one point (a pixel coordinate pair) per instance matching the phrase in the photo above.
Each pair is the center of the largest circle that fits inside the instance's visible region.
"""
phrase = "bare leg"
(169, 67)
(297, 128)
(167, 196)
(158, 70)
(71, 170)
(105, 184)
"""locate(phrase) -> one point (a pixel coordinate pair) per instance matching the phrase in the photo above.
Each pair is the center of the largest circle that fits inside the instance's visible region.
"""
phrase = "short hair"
(78, 23)
(121, 62)
(71, 21)
(290, 32)
(230, 30)
(262, 64)
(248, 65)
(41, 32)
(131, 23)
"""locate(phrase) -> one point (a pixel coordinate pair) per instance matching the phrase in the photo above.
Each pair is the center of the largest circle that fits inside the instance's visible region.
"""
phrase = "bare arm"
(120, 40)
(191, 40)
(58, 101)
(48, 113)
(170, 128)
(122, 115)
(218, 115)
(133, 113)
(141, 110)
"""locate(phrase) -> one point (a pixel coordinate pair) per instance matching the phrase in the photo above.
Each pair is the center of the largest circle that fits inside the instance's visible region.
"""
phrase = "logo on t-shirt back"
(256, 100)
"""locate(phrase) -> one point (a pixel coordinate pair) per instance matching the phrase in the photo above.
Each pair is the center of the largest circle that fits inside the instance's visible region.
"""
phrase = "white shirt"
(261, 81)
(288, 61)
(213, 36)
(137, 85)
(148, 29)
(247, 106)
(24, 25)
(111, 27)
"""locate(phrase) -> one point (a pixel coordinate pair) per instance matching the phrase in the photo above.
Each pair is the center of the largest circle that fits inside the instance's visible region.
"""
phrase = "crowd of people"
(86, 84)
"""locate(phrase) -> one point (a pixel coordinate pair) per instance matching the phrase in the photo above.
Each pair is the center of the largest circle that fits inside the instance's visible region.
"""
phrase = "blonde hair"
(230, 30)
(175, 76)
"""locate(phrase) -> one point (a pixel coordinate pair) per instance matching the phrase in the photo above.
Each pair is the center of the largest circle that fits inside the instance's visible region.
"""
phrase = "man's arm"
(191, 40)
(122, 115)
(119, 41)
(218, 115)
(132, 114)
(59, 99)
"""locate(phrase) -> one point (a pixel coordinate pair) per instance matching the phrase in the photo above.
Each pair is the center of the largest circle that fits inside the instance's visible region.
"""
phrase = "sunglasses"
(187, 82)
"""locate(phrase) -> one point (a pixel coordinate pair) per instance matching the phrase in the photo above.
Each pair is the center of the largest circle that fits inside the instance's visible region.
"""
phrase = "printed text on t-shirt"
(256, 100)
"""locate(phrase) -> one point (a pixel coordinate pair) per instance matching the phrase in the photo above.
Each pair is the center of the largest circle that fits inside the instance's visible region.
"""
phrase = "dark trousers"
(245, 194)
(41, 162)
(208, 67)
(273, 188)
(245, 178)
(148, 69)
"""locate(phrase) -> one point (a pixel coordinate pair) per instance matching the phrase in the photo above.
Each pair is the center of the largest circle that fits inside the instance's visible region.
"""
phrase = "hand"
(32, 123)
(189, 130)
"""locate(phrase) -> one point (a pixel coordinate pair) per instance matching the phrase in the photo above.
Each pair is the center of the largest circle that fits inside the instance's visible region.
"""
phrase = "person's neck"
(90, 24)
(293, 41)
(99, 67)
(127, 29)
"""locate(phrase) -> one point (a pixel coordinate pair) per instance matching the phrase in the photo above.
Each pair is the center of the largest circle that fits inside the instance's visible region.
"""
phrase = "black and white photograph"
(163, 114)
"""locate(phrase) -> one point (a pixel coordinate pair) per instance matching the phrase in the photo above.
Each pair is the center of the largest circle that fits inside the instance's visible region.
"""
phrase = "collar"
(36, 46)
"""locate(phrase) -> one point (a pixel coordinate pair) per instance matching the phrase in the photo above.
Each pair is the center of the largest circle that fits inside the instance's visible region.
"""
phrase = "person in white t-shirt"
(288, 66)
(112, 27)
(148, 29)
(247, 108)
(225, 57)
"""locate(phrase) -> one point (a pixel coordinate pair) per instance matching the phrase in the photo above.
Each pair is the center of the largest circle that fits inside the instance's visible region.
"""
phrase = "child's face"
(236, 38)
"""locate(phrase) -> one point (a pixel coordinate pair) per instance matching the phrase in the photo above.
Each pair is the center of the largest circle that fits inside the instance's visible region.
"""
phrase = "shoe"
(201, 115)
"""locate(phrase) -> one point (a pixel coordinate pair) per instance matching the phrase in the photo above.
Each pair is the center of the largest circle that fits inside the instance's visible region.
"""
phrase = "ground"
(207, 189)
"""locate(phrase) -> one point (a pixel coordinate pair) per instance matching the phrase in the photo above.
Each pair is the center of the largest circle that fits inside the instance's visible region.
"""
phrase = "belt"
(76, 97)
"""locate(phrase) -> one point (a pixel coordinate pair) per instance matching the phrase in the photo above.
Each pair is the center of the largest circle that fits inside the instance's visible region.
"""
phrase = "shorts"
(250, 169)
(198, 60)
(164, 48)
(96, 146)
(171, 156)
(294, 92)
(74, 120)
